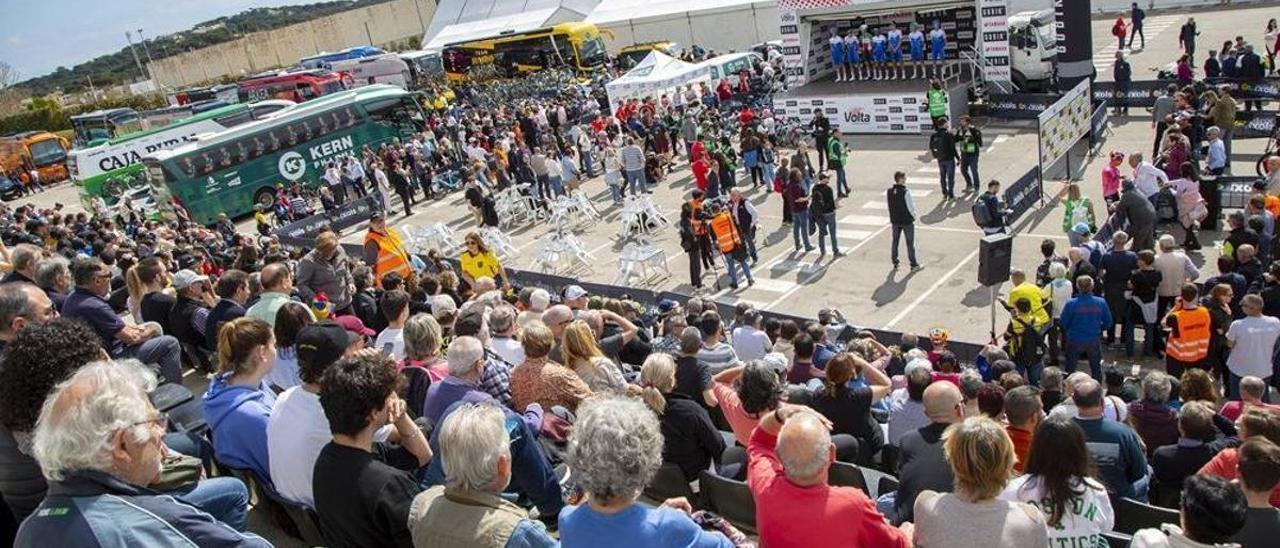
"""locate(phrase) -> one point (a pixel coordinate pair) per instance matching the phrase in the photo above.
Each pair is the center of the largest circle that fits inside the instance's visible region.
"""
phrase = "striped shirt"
(719, 357)
(632, 158)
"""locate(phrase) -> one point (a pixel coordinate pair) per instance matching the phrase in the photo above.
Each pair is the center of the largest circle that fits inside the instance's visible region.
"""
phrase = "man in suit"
(1251, 69)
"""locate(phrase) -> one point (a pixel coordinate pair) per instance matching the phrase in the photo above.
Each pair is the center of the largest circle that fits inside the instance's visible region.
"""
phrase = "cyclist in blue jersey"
(837, 55)
(879, 56)
(916, 39)
(937, 48)
(853, 55)
(895, 51)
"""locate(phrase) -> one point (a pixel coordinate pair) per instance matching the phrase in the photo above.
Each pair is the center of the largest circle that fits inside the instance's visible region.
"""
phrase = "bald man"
(790, 453)
(923, 466)
(277, 289)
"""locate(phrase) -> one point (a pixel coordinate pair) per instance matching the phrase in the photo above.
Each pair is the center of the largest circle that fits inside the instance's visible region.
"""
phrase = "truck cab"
(1033, 50)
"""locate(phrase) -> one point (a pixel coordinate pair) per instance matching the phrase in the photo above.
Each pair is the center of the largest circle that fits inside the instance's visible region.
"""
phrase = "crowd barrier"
(1144, 93)
(967, 352)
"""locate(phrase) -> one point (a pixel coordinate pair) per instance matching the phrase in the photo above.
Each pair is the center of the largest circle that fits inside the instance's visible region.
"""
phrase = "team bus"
(575, 45)
(387, 68)
(96, 127)
(114, 166)
(296, 86)
(231, 171)
(324, 60)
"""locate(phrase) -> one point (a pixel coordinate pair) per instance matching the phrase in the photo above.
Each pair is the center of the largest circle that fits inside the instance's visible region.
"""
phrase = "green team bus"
(231, 171)
(114, 166)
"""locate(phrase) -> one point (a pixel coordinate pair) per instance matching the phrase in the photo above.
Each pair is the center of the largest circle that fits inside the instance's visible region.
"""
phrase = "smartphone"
(387, 349)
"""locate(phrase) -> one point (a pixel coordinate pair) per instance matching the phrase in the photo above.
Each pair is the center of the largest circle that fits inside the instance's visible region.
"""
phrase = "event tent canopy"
(658, 74)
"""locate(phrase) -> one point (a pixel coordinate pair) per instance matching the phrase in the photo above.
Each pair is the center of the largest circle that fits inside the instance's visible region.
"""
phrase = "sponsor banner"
(901, 113)
(1027, 106)
(1064, 122)
(1144, 93)
(1255, 124)
(303, 233)
(994, 28)
(1023, 194)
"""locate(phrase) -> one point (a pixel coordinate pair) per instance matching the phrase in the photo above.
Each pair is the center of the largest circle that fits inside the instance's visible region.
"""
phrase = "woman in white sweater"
(1059, 481)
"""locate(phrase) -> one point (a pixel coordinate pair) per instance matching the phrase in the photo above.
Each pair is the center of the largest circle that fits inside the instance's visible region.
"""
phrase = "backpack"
(1026, 348)
(981, 214)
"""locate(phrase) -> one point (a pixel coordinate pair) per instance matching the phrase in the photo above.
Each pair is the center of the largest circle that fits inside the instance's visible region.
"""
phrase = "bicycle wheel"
(1261, 165)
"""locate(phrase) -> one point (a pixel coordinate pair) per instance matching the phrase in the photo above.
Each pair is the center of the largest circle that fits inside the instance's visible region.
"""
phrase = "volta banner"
(303, 233)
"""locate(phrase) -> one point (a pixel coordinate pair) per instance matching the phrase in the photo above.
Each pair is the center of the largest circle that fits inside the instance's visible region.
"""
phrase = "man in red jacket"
(794, 504)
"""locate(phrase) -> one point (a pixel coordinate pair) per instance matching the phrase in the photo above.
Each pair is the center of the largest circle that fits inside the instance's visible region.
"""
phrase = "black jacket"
(821, 200)
(690, 439)
(21, 482)
(1212, 68)
(180, 321)
(896, 196)
(1251, 66)
(1172, 463)
(942, 145)
(1122, 73)
(224, 311)
(972, 136)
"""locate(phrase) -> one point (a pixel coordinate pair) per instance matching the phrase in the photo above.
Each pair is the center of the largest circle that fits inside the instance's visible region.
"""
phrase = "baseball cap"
(574, 292)
(354, 325)
(184, 278)
(666, 306)
(1081, 228)
(469, 322)
(442, 305)
(322, 342)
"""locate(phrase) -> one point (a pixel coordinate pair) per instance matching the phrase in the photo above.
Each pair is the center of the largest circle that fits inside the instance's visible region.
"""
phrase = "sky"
(41, 35)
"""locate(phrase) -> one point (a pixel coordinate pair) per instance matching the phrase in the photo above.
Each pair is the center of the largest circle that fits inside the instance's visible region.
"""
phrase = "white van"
(387, 68)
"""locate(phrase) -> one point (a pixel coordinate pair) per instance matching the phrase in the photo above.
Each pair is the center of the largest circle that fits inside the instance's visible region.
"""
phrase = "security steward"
(1189, 333)
(729, 240)
(700, 228)
(384, 249)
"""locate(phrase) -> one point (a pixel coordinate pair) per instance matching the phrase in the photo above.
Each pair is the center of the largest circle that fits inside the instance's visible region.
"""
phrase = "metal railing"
(979, 63)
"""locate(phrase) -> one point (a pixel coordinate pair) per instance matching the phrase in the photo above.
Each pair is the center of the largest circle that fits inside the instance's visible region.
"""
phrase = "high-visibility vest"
(726, 233)
(696, 219)
(937, 103)
(392, 256)
(1192, 340)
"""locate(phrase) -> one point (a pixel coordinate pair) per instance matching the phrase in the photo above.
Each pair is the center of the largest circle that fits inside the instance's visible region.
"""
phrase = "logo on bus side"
(292, 166)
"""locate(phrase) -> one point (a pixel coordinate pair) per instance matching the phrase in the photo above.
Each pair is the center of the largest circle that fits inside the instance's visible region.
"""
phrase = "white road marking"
(772, 285)
(853, 234)
(929, 168)
(805, 280)
(944, 279)
(871, 220)
(875, 205)
(923, 181)
(976, 231)
(999, 139)
(920, 193)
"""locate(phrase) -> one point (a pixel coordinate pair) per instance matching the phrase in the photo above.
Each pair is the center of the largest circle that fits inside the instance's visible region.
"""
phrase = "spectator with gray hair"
(1122, 464)
(504, 334)
(790, 455)
(21, 305)
(615, 449)
(475, 454)
(144, 342)
(1051, 388)
(1084, 319)
(54, 277)
(749, 341)
(531, 473)
(539, 301)
(1150, 416)
(693, 376)
(98, 442)
(1173, 463)
(24, 258)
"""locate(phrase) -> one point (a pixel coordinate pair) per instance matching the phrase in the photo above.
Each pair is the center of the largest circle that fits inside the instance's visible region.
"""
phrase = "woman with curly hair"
(41, 356)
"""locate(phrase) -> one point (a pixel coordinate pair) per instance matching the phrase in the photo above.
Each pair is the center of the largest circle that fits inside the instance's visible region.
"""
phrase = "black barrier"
(1020, 196)
(1144, 93)
(1018, 106)
(1098, 122)
(303, 233)
(1254, 124)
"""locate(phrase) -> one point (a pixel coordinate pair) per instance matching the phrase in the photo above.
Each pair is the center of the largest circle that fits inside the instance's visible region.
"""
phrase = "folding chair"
(1132, 515)
(731, 499)
(669, 483)
(845, 474)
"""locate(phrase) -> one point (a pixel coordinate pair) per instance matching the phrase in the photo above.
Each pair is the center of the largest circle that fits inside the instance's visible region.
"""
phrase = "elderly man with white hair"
(468, 510)
(790, 454)
(531, 472)
(1175, 269)
(99, 441)
(615, 450)
(24, 258)
(539, 301)
(1114, 408)
(504, 334)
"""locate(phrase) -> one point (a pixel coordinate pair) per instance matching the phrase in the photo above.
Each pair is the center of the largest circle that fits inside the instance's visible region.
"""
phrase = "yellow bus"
(574, 45)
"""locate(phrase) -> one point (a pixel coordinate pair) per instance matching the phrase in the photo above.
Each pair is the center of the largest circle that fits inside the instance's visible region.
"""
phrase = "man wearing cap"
(575, 297)
(189, 312)
(384, 250)
(298, 429)
(496, 379)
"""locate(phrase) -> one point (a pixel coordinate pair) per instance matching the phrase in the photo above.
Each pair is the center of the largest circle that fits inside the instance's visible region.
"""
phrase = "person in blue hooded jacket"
(238, 403)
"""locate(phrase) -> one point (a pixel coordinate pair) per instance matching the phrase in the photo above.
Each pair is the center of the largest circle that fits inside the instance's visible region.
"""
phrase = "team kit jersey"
(895, 45)
(837, 50)
(938, 44)
(916, 38)
(877, 48)
(852, 52)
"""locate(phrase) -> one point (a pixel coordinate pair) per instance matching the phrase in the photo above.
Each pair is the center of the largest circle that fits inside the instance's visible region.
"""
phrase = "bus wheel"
(265, 197)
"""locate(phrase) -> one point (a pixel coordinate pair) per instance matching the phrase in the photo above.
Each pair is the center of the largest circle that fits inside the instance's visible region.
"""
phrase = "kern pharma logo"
(292, 166)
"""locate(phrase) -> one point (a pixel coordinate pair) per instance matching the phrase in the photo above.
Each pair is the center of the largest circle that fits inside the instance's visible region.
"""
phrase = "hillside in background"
(117, 68)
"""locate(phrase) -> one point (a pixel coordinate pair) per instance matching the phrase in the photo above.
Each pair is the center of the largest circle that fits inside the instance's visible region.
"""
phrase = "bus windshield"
(47, 152)
(591, 52)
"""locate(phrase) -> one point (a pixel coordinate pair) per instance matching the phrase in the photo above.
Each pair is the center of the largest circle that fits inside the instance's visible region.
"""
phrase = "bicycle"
(1272, 149)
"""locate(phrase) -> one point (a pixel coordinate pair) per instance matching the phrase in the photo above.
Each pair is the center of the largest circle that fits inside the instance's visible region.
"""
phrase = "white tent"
(722, 25)
(655, 75)
(494, 16)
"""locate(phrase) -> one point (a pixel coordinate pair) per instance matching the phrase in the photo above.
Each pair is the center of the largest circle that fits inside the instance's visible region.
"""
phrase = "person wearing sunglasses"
(478, 261)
